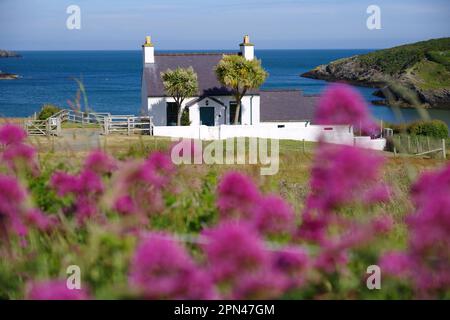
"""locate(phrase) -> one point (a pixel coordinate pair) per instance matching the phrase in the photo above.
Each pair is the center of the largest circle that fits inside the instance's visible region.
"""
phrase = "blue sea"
(112, 80)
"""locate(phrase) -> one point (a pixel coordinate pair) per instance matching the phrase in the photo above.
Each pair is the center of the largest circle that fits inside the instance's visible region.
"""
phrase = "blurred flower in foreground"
(54, 290)
(162, 269)
(237, 196)
(11, 134)
(340, 104)
(426, 262)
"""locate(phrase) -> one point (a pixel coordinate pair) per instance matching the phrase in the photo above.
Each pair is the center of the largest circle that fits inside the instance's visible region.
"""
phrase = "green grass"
(103, 255)
(432, 75)
(398, 59)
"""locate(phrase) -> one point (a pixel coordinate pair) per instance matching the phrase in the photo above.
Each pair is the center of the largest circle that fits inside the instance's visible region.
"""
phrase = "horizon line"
(189, 50)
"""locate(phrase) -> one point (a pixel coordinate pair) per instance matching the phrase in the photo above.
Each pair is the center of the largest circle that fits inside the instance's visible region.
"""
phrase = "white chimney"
(148, 51)
(247, 49)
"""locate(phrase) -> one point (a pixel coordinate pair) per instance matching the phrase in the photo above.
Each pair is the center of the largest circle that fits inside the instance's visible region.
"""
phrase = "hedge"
(429, 128)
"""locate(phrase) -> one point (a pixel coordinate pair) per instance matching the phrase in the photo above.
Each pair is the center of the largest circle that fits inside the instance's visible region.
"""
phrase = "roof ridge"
(194, 53)
(281, 90)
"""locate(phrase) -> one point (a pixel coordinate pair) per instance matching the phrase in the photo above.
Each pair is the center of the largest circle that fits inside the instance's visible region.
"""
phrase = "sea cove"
(112, 80)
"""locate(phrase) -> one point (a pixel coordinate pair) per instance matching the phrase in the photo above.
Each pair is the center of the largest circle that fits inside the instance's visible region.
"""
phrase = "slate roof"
(276, 105)
(286, 105)
(203, 64)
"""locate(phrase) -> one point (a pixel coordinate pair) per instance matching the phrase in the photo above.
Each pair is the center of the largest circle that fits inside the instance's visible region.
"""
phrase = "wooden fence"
(122, 124)
(417, 145)
(127, 125)
(49, 127)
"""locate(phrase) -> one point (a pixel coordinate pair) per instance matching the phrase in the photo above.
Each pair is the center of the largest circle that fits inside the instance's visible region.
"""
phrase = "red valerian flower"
(233, 250)
(237, 196)
(426, 261)
(100, 162)
(55, 290)
(340, 104)
(11, 134)
(162, 269)
(274, 216)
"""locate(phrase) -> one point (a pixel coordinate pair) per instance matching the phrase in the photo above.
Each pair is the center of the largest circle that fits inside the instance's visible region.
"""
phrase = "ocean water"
(112, 80)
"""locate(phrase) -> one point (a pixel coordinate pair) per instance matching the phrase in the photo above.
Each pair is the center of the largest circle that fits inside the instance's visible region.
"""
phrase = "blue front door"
(207, 116)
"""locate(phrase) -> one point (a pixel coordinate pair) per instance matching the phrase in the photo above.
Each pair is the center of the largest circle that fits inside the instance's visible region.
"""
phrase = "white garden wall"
(283, 131)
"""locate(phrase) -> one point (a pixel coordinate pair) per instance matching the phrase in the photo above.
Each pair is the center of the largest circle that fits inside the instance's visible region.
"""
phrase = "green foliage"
(441, 57)
(433, 128)
(180, 84)
(430, 128)
(240, 75)
(396, 60)
(432, 75)
(185, 117)
(47, 111)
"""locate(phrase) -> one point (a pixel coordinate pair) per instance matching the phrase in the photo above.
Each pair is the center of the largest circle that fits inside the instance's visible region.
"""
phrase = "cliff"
(407, 74)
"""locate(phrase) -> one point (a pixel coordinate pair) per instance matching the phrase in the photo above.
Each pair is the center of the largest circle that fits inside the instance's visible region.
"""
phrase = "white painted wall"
(157, 108)
(292, 131)
(367, 143)
(283, 131)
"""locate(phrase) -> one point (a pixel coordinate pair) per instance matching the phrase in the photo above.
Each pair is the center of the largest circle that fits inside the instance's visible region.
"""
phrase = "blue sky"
(210, 24)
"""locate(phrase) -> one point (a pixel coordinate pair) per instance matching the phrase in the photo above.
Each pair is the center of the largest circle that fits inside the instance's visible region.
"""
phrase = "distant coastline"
(9, 54)
(407, 75)
(8, 76)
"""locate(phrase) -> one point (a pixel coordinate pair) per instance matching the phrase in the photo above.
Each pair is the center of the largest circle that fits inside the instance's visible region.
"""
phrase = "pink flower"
(237, 196)
(331, 258)
(100, 162)
(378, 194)
(292, 263)
(161, 269)
(314, 226)
(90, 183)
(233, 250)
(139, 186)
(426, 261)
(124, 205)
(12, 134)
(257, 286)
(36, 218)
(340, 104)
(16, 154)
(342, 174)
(274, 216)
(86, 188)
(11, 196)
(382, 224)
(55, 290)
(64, 183)
(395, 263)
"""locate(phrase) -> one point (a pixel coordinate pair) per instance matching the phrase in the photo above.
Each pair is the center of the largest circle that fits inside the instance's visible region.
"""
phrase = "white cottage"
(212, 106)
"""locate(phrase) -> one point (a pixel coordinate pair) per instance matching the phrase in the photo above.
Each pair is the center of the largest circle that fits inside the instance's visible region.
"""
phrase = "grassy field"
(291, 181)
(103, 251)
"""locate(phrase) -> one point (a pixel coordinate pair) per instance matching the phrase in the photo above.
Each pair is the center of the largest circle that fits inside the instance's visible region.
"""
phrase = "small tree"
(47, 111)
(180, 84)
(240, 75)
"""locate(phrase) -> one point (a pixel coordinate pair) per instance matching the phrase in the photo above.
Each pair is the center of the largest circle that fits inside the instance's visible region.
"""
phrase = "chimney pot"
(247, 49)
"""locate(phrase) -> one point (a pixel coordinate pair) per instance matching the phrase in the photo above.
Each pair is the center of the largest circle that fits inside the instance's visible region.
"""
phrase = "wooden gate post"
(444, 155)
(106, 125)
